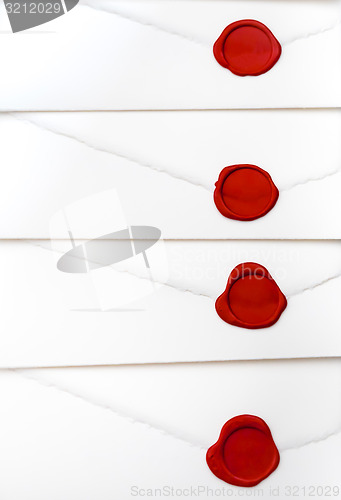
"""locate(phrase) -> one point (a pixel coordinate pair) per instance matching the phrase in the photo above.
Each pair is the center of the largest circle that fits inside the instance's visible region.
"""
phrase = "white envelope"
(109, 432)
(121, 432)
(164, 166)
(109, 54)
(176, 322)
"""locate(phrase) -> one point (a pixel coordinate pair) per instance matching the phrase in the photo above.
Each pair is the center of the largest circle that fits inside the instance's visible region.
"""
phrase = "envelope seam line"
(111, 153)
(146, 424)
(199, 42)
(105, 407)
(198, 294)
(312, 34)
(148, 24)
(313, 179)
(148, 165)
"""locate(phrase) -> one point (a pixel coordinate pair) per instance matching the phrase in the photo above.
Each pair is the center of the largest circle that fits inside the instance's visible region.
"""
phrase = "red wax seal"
(245, 453)
(245, 192)
(252, 298)
(247, 48)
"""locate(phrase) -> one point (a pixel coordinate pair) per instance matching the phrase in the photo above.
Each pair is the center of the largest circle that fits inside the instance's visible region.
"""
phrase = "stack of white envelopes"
(117, 372)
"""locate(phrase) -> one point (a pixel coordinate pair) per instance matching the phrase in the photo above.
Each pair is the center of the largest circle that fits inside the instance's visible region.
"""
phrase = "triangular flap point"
(70, 4)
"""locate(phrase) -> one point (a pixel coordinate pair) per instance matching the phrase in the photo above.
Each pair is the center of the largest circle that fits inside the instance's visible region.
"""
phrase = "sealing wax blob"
(252, 298)
(245, 192)
(247, 47)
(245, 453)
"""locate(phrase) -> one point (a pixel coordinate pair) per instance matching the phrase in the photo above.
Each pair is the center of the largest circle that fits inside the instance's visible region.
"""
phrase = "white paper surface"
(164, 166)
(98, 432)
(106, 55)
(105, 431)
(56, 317)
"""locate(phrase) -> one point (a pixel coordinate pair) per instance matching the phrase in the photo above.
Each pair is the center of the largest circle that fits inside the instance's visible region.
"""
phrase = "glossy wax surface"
(247, 47)
(252, 298)
(245, 453)
(245, 192)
